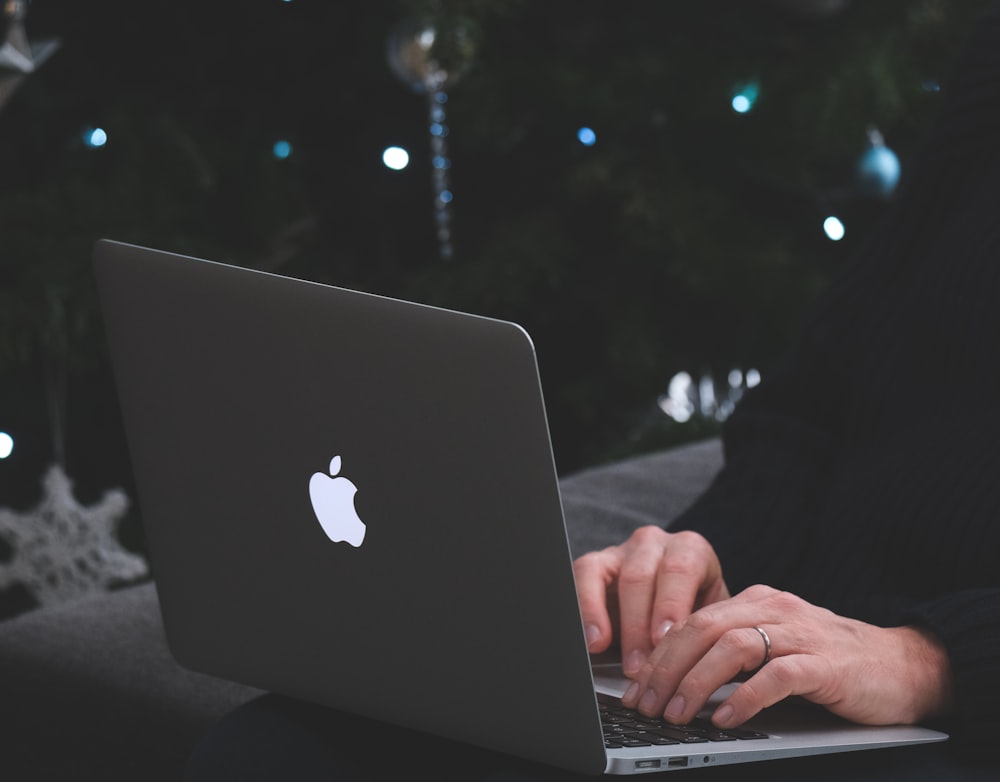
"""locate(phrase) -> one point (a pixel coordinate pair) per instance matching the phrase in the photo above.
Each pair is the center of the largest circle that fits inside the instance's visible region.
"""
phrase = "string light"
(586, 136)
(437, 98)
(744, 96)
(281, 149)
(833, 228)
(686, 398)
(95, 137)
(395, 158)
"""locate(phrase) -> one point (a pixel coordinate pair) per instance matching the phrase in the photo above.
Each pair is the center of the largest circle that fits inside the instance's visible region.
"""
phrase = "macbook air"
(330, 479)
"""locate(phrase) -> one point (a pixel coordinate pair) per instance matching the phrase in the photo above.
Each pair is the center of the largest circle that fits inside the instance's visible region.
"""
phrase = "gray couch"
(89, 690)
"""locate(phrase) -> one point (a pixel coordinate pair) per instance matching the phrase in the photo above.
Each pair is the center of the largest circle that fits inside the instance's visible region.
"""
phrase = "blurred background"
(654, 190)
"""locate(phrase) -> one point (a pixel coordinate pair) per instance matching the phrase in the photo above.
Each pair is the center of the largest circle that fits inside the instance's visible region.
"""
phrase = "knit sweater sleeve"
(758, 511)
(968, 623)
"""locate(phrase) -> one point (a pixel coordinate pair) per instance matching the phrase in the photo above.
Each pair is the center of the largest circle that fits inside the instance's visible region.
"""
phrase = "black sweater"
(865, 475)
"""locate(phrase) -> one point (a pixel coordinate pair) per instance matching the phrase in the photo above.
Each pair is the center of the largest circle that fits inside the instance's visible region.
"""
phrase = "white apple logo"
(333, 502)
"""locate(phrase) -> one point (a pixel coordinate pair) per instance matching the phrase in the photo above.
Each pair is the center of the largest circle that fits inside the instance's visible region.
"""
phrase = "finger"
(686, 645)
(793, 674)
(737, 650)
(636, 590)
(690, 570)
(594, 573)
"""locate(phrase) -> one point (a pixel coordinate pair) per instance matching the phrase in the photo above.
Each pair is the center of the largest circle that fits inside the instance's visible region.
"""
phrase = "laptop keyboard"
(628, 728)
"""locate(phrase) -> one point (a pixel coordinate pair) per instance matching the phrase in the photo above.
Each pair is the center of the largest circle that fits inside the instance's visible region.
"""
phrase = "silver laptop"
(352, 500)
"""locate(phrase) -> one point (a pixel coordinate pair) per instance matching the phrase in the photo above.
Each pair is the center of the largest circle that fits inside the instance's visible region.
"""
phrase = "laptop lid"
(242, 391)
(352, 500)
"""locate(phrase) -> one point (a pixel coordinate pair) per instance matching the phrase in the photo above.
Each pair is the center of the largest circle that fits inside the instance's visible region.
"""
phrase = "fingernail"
(593, 633)
(630, 693)
(633, 662)
(675, 708)
(663, 629)
(723, 715)
(648, 701)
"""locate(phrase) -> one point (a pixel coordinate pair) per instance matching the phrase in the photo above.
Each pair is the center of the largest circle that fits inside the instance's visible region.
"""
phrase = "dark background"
(688, 238)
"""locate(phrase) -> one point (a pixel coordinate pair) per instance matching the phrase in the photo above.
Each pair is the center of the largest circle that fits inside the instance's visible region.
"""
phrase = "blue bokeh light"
(586, 136)
(878, 171)
(281, 149)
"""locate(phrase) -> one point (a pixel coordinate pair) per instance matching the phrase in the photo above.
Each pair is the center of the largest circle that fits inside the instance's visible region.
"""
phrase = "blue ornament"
(878, 169)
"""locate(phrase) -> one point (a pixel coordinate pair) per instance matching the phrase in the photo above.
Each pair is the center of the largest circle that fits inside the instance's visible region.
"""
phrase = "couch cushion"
(90, 685)
(604, 504)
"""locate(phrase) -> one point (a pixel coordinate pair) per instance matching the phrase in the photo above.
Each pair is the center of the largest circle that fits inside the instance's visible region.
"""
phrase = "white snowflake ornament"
(62, 550)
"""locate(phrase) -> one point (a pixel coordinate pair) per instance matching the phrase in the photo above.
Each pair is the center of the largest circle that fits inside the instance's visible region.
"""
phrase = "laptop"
(326, 474)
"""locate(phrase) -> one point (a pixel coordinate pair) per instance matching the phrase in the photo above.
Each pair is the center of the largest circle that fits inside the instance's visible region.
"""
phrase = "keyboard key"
(622, 724)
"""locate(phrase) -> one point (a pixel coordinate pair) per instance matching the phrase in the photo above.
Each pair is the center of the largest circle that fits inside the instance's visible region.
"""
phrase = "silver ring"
(767, 647)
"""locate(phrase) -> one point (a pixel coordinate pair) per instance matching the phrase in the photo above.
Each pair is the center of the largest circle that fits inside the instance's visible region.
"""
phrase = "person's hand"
(642, 587)
(867, 674)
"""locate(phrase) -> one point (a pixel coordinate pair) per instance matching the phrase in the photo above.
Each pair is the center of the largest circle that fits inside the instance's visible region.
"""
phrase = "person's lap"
(274, 737)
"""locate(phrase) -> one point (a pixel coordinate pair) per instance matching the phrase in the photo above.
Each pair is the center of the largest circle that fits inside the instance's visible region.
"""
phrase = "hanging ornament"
(411, 52)
(18, 57)
(878, 169)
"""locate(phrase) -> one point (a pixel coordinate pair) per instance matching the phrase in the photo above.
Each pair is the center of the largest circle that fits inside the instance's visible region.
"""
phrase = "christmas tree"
(643, 186)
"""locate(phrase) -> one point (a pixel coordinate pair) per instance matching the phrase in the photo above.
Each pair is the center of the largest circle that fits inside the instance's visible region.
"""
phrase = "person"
(847, 550)
(849, 483)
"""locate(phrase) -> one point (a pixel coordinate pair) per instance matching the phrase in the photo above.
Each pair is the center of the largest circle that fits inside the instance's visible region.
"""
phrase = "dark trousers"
(277, 738)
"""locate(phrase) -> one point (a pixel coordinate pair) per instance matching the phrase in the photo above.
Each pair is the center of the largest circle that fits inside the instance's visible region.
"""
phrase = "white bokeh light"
(395, 158)
(833, 228)
(677, 401)
(95, 137)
